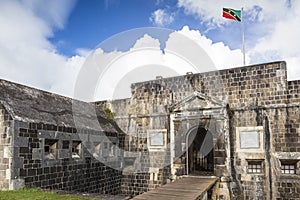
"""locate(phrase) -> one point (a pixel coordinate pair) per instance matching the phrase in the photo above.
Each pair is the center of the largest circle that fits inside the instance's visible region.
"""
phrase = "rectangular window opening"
(76, 149)
(113, 150)
(288, 166)
(255, 167)
(97, 149)
(50, 148)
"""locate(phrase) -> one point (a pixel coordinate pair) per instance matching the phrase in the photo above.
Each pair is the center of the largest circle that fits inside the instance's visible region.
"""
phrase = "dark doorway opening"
(200, 154)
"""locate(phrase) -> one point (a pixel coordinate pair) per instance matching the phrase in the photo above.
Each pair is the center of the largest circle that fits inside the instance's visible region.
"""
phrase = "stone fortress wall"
(251, 112)
(258, 98)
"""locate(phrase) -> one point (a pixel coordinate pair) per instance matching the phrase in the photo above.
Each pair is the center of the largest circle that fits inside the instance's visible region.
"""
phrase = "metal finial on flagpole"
(243, 36)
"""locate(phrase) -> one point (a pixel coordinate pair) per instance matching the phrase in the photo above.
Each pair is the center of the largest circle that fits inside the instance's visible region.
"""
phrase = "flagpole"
(243, 36)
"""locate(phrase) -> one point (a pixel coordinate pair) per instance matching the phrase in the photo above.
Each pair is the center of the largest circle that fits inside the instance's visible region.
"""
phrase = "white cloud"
(54, 12)
(26, 55)
(161, 18)
(221, 55)
(145, 42)
(210, 12)
(83, 52)
(111, 73)
(273, 33)
(65, 77)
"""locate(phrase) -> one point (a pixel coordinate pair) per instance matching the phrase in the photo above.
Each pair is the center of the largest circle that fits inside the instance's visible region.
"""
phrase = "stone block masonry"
(241, 125)
(41, 144)
(5, 148)
(137, 183)
(81, 173)
(257, 99)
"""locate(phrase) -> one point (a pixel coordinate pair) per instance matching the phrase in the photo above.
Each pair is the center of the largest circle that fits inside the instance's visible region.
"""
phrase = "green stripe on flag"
(232, 14)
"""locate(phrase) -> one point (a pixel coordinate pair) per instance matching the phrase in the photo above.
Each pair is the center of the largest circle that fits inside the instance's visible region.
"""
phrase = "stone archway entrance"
(199, 136)
(199, 152)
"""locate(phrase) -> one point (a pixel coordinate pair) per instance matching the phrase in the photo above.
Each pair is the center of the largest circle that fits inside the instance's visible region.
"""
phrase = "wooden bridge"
(187, 188)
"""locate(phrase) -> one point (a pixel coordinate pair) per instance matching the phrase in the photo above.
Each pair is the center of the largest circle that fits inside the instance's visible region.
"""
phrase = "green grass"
(36, 194)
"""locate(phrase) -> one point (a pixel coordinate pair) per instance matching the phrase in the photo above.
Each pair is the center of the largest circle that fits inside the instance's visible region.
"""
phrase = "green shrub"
(109, 114)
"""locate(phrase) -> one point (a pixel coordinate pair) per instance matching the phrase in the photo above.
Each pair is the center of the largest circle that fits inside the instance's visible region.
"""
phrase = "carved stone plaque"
(156, 139)
(249, 139)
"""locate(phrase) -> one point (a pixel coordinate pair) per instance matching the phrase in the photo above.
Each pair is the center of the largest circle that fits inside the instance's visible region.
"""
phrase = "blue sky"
(94, 21)
(91, 22)
(45, 44)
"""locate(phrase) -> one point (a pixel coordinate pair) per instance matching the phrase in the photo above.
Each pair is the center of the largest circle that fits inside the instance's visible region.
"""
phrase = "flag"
(232, 14)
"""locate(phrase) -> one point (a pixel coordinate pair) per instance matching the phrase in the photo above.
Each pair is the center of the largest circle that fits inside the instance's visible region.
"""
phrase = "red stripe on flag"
(228, 16)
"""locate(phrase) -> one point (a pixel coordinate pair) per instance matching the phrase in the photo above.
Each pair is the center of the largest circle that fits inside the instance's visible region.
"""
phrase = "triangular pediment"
(197, 101)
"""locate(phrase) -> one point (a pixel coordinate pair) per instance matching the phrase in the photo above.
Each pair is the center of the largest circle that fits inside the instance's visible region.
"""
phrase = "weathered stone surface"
(216, 105)
(257, 96)
(42, 146)
(32, 105)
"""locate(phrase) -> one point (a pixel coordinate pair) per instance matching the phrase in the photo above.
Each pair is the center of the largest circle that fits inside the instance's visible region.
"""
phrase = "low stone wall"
(68, 164)
(137, 183)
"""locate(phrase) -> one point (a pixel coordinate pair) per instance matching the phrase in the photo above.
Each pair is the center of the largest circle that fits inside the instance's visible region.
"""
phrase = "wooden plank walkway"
(187, 188)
